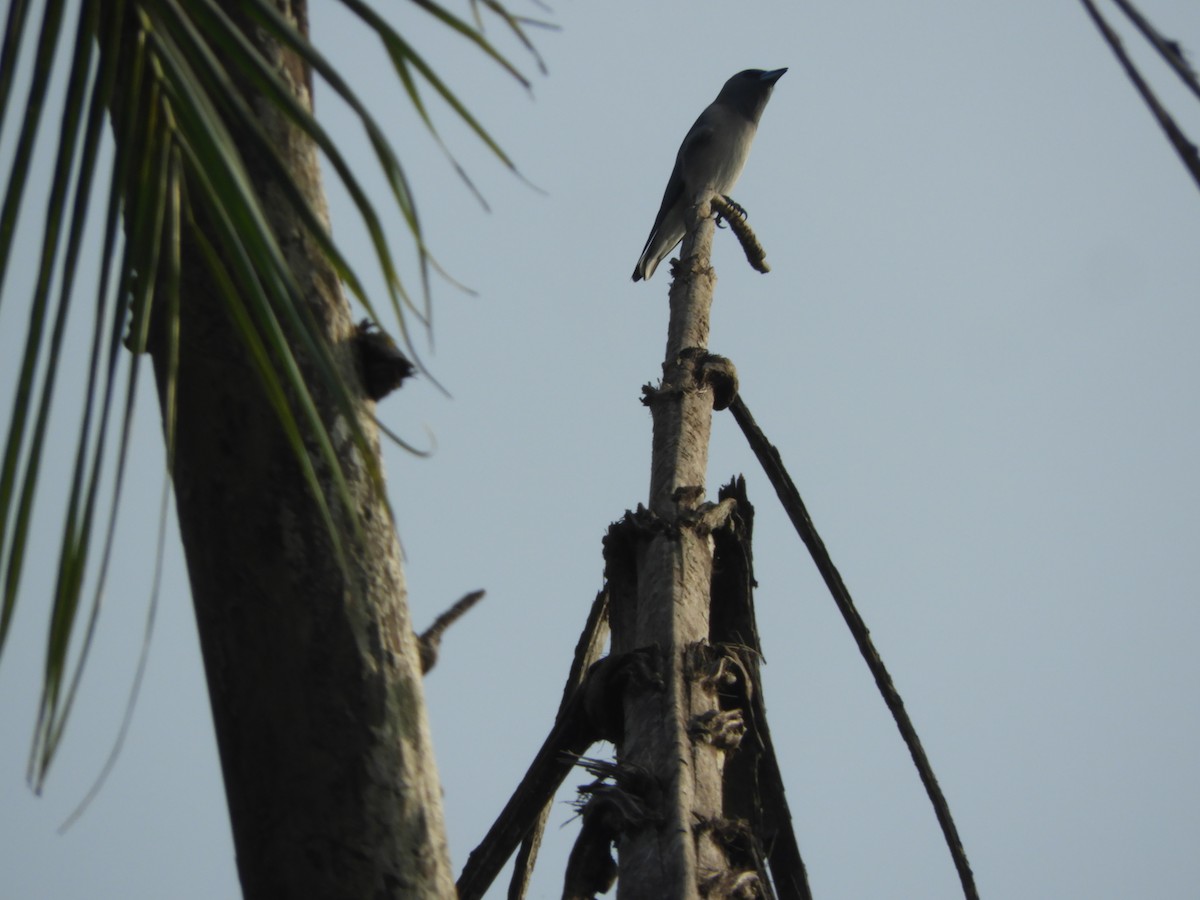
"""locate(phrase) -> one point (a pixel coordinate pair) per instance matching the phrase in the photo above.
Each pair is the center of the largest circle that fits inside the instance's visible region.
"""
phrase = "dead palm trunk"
(312, 667)
(671, 852)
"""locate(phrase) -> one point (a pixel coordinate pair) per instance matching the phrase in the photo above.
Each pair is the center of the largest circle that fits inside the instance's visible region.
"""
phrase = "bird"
(711, 157)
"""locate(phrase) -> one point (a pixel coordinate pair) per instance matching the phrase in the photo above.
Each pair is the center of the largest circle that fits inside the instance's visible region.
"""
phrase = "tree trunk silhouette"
(313, 671)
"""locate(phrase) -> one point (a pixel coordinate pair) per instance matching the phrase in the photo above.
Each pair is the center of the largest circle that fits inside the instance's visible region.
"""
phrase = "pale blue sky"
(975, 351)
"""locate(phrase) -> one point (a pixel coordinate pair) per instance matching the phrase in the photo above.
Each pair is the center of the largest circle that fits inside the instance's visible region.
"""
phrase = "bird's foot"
(736, 208)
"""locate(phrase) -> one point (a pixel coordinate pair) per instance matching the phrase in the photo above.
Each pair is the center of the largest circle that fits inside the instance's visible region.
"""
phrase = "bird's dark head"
(769, 76)
(748, 91)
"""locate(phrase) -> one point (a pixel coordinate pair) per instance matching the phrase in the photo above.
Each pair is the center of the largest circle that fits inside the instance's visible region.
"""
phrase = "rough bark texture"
(755, 800)
(313, 672)
(666, 854)
(683, 413)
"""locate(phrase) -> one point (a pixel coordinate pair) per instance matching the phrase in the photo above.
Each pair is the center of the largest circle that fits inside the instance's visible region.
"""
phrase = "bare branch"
(1184, 147)
(772, 465)
(1169, 50)
(736, 217)
(523, 816)
(431, 639)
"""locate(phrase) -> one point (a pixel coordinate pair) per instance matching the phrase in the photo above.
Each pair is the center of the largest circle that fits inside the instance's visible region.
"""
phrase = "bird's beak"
(773, 76)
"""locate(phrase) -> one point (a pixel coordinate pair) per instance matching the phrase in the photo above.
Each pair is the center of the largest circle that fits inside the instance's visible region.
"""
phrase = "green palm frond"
(165, 76)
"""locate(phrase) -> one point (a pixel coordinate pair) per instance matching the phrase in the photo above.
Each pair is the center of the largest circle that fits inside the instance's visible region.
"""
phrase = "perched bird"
(711, 156)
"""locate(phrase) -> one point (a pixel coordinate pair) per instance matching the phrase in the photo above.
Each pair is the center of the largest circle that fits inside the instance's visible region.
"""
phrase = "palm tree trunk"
(313, 670)
(671, 852)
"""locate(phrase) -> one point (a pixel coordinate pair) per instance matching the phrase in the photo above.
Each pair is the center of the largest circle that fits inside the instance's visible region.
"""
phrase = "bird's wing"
(697, 139)
(670, 197)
